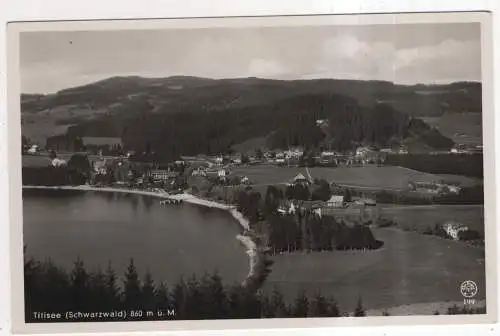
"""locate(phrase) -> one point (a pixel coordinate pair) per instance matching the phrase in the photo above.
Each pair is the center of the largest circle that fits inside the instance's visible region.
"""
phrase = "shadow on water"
(148, 202)
(53, 193)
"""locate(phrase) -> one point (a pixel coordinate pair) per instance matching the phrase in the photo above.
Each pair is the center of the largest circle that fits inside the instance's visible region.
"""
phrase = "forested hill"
(175, 93)
(190, 115)
(289, 122)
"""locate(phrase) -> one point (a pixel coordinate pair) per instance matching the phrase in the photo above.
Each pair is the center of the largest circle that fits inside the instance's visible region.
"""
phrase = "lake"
(100, 227)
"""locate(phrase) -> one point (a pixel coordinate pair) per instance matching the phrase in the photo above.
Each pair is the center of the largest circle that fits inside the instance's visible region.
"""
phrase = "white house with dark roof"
(57, 162)
(336, 201)
(453, 229)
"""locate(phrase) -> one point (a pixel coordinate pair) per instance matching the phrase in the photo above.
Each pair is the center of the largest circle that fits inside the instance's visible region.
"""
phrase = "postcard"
(251, 172)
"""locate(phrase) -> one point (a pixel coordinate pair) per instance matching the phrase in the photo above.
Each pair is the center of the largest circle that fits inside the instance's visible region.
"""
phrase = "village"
(109, 166)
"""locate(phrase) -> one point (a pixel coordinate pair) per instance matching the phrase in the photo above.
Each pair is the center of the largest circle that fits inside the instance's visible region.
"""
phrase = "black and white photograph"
(252, 171)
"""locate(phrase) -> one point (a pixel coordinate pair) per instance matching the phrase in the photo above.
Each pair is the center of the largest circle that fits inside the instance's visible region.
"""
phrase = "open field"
(35, 161)
(423, 216)
(43, 159)
(460, 127)
(410, 268)
(371, 176)
(458, 179)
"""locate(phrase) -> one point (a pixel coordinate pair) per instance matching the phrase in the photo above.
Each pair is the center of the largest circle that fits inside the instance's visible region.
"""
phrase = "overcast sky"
(409, 54)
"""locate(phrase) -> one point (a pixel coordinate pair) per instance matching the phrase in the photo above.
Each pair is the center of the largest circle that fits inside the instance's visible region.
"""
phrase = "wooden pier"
(169, 201)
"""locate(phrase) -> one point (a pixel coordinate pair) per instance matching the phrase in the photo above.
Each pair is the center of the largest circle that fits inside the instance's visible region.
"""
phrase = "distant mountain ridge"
(169, 92)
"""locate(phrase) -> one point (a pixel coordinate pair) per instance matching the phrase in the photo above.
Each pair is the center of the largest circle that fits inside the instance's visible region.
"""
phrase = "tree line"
(309, 232)
(76, 172)
(51, 289)
(303, 230)
(461, 164)
(466, 195)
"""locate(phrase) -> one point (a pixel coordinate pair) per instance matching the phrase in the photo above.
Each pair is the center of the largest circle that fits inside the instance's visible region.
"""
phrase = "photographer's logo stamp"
(469, 290)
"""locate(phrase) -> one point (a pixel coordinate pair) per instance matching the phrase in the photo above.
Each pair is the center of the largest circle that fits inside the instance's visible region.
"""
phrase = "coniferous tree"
(132, 287)
(112, 294)
(347, 196)
(278, 305)
(148, 292)
(97, 290)
(179, 299)
(195, 303)
(53, 289)
(333, 308)
(360, 310)
(162, 297)
(272, 199)
(236, 299)
(319, 306)
(79, 286)
(217, 296)
(266, 309)
(259, 154)
(301, 305)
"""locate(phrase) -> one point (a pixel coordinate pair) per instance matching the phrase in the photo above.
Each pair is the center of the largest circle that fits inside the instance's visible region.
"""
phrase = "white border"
(213, 8)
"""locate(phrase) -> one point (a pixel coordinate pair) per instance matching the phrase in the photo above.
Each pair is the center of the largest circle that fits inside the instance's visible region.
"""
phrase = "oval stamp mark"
(468, 289)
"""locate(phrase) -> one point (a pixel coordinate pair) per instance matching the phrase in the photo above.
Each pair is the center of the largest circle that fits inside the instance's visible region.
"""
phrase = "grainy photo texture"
(252, 172)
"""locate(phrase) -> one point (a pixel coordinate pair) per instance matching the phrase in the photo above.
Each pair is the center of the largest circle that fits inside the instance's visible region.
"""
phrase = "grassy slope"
(410, 268)
(423, 216)
(460, 127)
(369, 176)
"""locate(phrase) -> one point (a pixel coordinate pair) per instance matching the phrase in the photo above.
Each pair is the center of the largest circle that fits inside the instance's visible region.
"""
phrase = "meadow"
(370, 176)
(36, 161)
(410, 268)
(460, 127)
(421, 217)
(43, 159)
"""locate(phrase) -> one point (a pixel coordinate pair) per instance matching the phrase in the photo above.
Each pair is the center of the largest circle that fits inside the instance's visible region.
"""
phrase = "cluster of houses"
(467, 149)
(361, 210)
(434, 188)
(358, 208)
(293, 156)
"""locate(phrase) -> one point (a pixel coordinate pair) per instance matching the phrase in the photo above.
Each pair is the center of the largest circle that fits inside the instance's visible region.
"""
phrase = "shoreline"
(251, 247)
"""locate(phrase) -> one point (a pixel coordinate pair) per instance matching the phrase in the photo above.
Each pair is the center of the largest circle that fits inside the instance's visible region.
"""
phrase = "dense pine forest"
(291, 122)
(468, 164)
(83, 294)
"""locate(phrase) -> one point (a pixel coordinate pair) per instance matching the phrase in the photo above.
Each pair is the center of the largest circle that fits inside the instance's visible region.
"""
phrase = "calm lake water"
(170, 241)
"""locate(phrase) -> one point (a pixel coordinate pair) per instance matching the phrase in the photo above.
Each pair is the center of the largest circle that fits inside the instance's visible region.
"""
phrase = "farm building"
(199, 171)
(56, 162)
(433, 188)
(100, 166)
(336, 201)
(245, 180)
(163, 175)
(453, 229)
(300, 179)
(287, 208)
(294, 153)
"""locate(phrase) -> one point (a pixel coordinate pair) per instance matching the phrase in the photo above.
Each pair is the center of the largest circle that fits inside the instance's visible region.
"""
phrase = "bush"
(469, 235)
